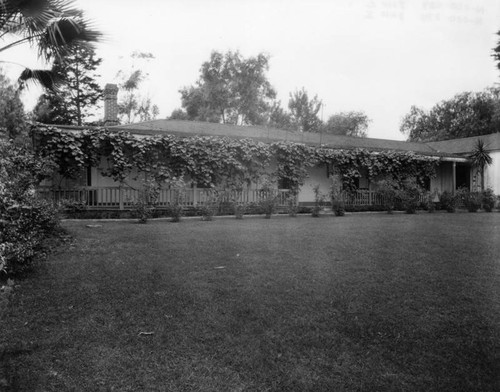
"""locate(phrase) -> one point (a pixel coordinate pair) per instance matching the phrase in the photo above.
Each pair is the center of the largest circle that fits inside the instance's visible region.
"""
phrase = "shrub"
(176, 210)
(292, 206)
(24, 231)
(25, 221)
(448, 201)
(337, 201)
(319, 201)
(268, 201)
(488, 199)
(239, 210)
(268, 204)
(409, 195)
(143, 209)
(471, 200)
(428, 204)
(210, 206)
(388, 190)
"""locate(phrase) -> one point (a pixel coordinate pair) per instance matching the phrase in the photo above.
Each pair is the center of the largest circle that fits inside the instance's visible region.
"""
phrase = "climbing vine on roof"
(217, 161)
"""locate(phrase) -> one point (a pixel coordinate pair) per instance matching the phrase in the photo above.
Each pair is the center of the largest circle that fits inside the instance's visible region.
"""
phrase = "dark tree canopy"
(466, 114)
(304, 111)
(347, 124)
(231, 89)
(78, 93)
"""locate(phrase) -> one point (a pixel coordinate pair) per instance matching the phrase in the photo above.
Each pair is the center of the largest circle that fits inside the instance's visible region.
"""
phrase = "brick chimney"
(110, 104)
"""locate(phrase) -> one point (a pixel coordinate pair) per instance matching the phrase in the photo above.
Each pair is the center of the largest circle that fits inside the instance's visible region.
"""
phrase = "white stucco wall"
(492, 173)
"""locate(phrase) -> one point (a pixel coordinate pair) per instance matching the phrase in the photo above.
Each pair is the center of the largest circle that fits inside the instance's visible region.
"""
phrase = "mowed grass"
(365, 302)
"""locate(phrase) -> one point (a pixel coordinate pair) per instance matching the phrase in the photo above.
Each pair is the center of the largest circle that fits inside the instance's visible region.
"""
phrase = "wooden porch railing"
(362, 198)
(124, 197)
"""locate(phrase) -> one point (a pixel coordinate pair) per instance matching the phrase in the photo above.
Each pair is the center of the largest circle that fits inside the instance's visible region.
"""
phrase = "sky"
(376, 56)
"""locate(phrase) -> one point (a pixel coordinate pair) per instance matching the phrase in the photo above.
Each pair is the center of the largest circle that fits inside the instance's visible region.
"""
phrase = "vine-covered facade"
(109, 166)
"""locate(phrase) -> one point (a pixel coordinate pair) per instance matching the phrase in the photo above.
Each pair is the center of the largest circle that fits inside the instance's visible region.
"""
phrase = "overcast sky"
(378, 56)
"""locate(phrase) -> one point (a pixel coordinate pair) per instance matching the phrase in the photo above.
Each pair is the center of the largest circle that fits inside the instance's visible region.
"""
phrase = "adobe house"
(454, 168)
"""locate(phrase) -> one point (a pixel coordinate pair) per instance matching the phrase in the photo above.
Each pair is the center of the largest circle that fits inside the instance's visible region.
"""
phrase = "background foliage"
(466, 114)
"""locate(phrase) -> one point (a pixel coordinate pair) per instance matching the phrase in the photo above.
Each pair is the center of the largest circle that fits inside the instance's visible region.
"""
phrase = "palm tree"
(480, 158)
(52, 27)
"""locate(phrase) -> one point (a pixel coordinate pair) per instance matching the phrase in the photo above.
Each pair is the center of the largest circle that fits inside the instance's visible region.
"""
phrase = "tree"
(78, 93)
(52, 27)
(466, 114)
(279, 118)
(347, 124)
(12, 116)
(304, 111)
(196, 106)
(496, 52)
(133, 106)
(231, 89)
(178, 114)
(480, 158)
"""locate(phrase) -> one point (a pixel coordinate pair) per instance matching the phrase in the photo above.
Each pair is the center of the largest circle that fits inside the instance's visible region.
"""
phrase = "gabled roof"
(190, 128)
(467, 145)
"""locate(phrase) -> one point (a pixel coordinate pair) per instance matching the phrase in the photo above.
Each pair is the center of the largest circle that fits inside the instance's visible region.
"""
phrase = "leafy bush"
(489, 199)
(388, 189)
(210, 206)
(319, 201)
(25, 221)
(292, 206)
(24, 231)
(268, 204)
(471, 200)
(338, 204)
(145, 206)
(409, 195)
(239, 210)
(448, 201)
(429, 204)
(176, 210)
(268, 201)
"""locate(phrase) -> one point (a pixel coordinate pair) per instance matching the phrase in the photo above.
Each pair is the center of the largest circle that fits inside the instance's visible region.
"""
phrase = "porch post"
(195, 188)
(120, 196)
(454, 178)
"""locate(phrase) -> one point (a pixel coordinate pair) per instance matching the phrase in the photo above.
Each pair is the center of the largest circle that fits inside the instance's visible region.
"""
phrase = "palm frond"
(50, 25)
(63, 34)
(45, 78)
(480, 157)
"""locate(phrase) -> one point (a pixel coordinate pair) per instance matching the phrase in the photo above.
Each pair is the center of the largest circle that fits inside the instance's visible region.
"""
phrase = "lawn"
(365, 302)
